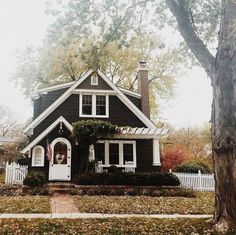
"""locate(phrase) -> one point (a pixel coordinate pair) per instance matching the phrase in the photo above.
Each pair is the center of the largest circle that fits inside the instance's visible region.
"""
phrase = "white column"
(106, 153)
(121, 154)
(156, 153)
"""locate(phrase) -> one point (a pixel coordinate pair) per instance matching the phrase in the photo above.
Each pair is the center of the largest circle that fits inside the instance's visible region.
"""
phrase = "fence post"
(200, 180)
(6, 172)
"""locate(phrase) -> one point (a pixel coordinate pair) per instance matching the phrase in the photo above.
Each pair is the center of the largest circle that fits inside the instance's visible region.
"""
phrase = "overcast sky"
(24, 23)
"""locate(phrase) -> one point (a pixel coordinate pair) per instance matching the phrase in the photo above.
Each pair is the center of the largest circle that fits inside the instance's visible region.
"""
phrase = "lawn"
(24, 204)
(107, 226)
(202, 204)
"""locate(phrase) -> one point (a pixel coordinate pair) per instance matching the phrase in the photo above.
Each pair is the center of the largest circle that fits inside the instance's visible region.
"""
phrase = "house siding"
(119, 114)
(134, 100)
(144, 150)
(45, 100)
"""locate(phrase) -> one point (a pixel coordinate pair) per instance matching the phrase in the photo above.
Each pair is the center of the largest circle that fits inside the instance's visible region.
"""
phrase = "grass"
(107, 226)
(24, 204)
(202, 204)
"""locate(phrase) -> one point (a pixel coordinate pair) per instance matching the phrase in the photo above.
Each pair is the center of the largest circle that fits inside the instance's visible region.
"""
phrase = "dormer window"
(94, 80)
(94, 105)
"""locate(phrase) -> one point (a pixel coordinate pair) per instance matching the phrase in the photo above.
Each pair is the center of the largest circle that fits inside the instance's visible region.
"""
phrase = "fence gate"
(15, 173)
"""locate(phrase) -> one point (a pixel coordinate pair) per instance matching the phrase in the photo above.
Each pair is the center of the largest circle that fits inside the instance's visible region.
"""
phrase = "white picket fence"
(196, 181)
(15, 173)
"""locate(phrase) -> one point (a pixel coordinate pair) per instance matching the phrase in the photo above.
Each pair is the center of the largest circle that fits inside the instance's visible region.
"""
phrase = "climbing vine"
(86, 133)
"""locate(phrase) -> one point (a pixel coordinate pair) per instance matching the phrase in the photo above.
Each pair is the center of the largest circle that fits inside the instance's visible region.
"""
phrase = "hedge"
(193, 167)
(131, 179)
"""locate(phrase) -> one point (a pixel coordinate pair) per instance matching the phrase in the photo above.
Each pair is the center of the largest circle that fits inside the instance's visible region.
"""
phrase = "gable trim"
(46, 132)
(128, 102)
(69, 91)
(131, 93)
(55, 104)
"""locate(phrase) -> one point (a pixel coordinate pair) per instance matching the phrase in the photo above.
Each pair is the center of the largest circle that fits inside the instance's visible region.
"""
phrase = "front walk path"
(62, 204)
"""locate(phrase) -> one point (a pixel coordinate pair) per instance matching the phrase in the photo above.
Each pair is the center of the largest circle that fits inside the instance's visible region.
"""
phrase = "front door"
(60, 163)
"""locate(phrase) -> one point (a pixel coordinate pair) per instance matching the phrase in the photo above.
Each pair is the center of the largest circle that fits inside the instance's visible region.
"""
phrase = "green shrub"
(193, 167)
(35, 179)
(132, 179)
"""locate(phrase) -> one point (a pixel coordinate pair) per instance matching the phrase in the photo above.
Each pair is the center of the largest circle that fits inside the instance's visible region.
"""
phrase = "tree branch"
(181, 12)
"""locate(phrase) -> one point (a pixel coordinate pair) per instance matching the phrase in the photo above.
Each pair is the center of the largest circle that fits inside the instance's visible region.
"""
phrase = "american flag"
(49, 152)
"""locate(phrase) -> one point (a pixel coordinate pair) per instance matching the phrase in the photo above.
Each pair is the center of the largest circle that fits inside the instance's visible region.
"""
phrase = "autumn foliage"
(172, 157)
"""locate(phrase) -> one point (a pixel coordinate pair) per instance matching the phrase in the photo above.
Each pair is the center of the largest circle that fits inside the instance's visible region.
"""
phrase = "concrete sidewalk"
(99, 216)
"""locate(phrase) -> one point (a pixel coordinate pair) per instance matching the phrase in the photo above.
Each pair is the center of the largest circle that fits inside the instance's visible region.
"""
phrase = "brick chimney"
(143, 88)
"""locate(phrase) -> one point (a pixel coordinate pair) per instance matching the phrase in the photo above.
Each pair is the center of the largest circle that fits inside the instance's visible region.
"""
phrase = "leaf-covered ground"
(106, 226)
(202, 204)
(24, 204)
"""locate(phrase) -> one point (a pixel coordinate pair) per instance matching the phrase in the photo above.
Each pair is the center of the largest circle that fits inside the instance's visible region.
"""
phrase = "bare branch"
(196, 45)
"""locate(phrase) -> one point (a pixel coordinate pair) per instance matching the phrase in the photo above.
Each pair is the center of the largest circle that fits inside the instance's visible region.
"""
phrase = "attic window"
(94, 80)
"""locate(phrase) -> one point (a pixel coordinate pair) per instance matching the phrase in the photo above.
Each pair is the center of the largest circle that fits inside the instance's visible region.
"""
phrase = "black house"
(93, 96)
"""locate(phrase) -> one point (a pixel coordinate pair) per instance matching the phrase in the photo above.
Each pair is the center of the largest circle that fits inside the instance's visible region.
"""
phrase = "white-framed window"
(38, 154)
(94, 80)
(116, 152)
(94, 105)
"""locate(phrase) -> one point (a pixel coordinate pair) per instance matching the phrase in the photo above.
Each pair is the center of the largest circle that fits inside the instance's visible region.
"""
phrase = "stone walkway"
(62, 204)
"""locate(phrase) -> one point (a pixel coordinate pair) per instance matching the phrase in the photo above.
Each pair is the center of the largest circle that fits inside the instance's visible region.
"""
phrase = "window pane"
(114, 154)
(100, 105)
(87, 104)
(38, 156)
(100, 152)
(60, 153)
(128, 152)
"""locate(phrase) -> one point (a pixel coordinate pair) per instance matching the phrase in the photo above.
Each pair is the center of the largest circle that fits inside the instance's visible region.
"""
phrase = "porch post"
(156, 153)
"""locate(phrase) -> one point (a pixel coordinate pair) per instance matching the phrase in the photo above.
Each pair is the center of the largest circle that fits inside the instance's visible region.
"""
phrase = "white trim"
(79, 91)
(128, 103)
(121, 153)
(66, 166)
(131, 93)
(156, 153)
(42, 156)
(94, 97)
(54, 105)
(55, 87)
(68, 92)
(47, 131)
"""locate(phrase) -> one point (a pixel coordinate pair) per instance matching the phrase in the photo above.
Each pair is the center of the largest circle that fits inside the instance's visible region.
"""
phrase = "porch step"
(60, 188)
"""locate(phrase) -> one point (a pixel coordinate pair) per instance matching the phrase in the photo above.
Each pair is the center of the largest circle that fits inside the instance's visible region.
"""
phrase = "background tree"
(8, 122)
(112, 41)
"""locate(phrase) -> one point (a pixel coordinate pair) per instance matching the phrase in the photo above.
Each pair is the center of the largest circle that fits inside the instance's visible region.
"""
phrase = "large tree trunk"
(224, 119)
(222, 71)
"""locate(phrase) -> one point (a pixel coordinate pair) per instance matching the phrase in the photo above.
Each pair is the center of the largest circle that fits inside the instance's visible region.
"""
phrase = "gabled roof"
(70, 90)
(47, 131)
